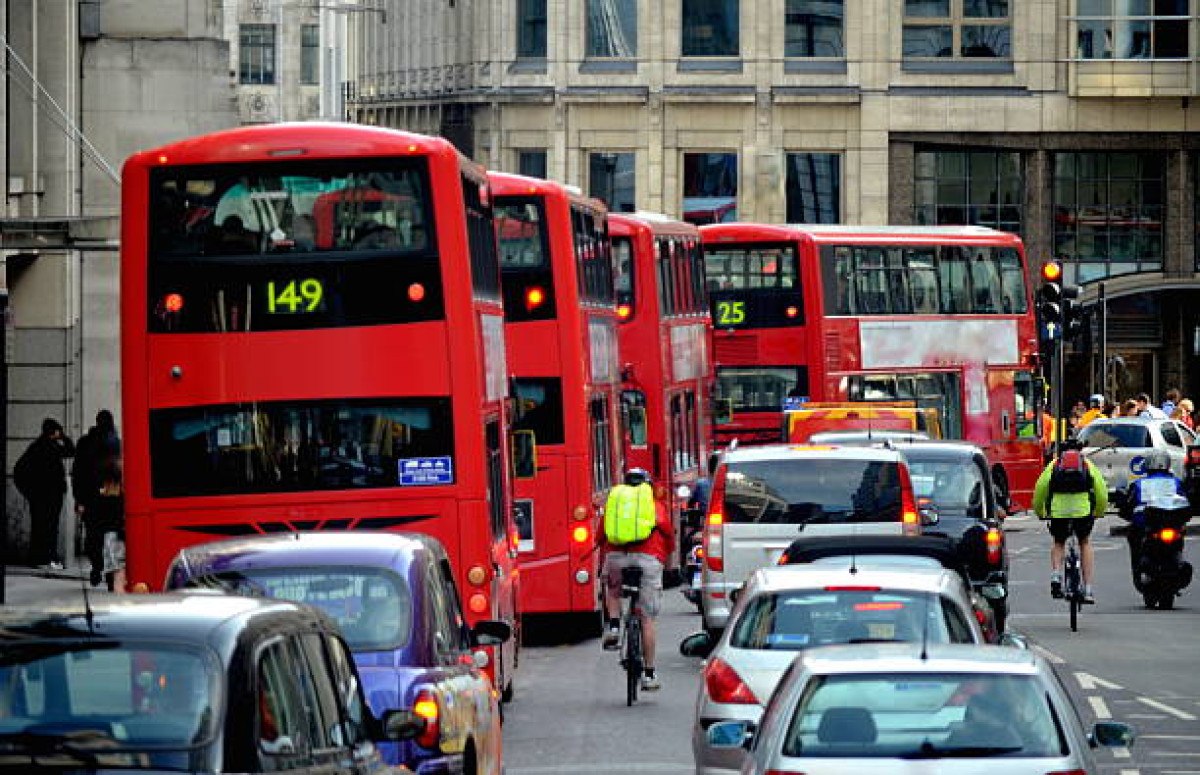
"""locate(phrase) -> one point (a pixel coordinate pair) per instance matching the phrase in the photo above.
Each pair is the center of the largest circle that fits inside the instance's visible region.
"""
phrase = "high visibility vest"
(629, 514)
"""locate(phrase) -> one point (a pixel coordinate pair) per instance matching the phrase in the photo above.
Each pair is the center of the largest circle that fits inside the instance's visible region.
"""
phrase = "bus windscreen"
(292, 245)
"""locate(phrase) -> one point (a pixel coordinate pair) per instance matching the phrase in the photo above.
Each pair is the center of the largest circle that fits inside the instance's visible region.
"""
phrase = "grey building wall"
(124, 79)
(288, 98)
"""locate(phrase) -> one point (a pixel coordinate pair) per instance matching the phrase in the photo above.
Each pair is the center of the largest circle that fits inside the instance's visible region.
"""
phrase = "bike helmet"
(636, 476)
(1158, 460)
(1096, 399)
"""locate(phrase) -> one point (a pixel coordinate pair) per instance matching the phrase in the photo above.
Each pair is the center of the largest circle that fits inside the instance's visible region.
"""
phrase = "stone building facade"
(1067, 121)
(89, 83)
(276, 54)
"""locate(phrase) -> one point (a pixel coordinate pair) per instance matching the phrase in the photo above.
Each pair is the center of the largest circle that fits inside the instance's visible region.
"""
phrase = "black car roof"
(812, 548)
(189, 617)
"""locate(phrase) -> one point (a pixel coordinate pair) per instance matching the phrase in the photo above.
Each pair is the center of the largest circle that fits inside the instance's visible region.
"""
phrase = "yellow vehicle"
(816, 417)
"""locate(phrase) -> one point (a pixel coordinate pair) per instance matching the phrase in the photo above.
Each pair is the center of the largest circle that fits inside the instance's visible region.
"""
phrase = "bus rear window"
(281, 446)
(291, 245)
(753, 286)
(796, 492)
(528, 286)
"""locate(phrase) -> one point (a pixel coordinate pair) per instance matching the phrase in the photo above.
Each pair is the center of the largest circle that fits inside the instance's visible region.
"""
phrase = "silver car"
(1119, 446)
(787, 609)
(764, 497)
(918, 708)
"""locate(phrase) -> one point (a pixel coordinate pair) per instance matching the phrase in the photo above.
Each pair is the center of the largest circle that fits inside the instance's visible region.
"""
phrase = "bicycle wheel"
(633, 659)
(1075, 606)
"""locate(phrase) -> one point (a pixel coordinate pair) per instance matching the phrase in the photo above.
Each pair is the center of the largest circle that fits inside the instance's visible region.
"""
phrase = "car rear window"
(925, 716)
(795, 491)
(953, 486)
(1115, 435)
(788, 621)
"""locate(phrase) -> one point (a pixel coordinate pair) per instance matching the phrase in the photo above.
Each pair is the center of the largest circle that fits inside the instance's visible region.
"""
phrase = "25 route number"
(731, 313)
(294, 296)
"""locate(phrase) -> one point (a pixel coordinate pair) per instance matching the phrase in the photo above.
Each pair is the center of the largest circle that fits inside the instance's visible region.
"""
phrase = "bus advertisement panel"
(560, 324)
(278, 282)
(941, 316)
(666, 371)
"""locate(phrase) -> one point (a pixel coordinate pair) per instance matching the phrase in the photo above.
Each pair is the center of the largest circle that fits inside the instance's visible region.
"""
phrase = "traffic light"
(1050, 297)
(1073, 315)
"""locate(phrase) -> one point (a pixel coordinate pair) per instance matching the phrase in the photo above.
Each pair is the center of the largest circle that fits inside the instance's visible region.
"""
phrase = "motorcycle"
(693, 548)
(1162, 572)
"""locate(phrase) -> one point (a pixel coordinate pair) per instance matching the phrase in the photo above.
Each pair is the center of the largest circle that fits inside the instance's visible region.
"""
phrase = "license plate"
(695, 579)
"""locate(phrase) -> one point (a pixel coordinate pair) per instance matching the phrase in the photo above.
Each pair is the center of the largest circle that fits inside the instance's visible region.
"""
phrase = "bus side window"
(524, 454)
(923, 280)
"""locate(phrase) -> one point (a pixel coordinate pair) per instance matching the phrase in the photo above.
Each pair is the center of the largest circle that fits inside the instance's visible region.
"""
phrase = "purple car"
(394, 598)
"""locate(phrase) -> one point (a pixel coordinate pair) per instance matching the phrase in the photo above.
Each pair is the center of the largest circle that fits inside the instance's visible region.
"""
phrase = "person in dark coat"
(99, 450)
(41, 477)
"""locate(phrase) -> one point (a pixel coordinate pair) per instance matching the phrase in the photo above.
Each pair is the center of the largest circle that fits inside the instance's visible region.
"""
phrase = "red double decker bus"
(313, 339)
(666, 373)
(940, 316)
(560, 323)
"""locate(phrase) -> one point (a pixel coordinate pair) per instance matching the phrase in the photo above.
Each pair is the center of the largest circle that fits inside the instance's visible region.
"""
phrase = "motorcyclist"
(1159, 483)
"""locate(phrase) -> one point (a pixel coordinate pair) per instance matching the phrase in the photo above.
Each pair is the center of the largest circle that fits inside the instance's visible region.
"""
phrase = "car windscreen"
(1115, 435)
(925, 716)
(792, 620)
(101, 697)
(812, 491)
(954, 486)
(372, 606)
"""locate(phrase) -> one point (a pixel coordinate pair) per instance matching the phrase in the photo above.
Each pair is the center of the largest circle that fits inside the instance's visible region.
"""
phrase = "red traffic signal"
(1052, 272)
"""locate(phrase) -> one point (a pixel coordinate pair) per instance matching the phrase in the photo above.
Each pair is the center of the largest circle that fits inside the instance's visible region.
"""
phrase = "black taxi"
(193, 682)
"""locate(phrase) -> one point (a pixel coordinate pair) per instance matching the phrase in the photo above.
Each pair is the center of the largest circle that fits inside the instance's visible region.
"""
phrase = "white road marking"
(1019, 552)
(1048, 655)
(1168, 737)
(1087, 682)
(1130, 772)
(1099, 707)
(1120, 752)
(1167, 709)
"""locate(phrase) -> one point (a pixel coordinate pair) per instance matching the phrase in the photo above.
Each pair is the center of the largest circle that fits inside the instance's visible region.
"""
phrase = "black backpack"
(1071, 475)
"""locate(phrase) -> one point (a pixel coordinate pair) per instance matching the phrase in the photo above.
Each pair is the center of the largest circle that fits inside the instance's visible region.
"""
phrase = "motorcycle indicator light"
(1168, 534)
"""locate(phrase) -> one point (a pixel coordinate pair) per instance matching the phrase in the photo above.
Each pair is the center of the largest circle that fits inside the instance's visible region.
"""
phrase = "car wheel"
(1166, 602)
(1150, 600)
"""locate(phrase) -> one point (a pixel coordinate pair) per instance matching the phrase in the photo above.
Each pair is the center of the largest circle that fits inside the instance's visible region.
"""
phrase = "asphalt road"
(1124, 663)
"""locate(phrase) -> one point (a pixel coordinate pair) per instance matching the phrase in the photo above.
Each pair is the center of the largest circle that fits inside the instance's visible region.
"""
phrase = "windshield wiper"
(930, 751)
(37, 744)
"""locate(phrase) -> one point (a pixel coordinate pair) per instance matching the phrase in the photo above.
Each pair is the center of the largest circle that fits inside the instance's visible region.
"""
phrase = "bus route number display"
(731, 313)
(294, 296)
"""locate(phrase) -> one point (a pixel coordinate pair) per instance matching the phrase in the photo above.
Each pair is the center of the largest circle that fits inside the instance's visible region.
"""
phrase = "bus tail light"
(478, 603)
(477, 575)
(580, 513)
(580, 534)
(534, 298)
(624, 311)
(426, 708)
(994, 541)
(714, 530)
(724, 685)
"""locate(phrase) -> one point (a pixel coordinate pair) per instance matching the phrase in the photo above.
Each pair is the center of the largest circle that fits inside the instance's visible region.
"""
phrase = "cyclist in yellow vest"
(637, 531)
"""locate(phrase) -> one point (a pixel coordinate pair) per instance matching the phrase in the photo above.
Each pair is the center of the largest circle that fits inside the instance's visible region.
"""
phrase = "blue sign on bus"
(426, 470)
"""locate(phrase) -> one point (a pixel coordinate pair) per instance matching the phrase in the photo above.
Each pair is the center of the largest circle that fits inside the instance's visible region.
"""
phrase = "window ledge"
(528, 65)
(608, 66)
(702, 65)
(814, 65)
(956, 66)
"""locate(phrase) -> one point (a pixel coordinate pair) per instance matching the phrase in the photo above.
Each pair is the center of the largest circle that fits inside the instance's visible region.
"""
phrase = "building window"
(710, 184)
(957, 29)
(813, 28)
(1141, 29)
(814, 183)
(612, 28)
(257, 54)
(611, 178)
(531, 29)
(710, 28)
(1108, 213)
(531, 163)
(310, 54)
(982, 188)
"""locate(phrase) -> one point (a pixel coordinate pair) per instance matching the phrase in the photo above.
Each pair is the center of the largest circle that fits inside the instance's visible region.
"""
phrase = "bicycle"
(632, 659)
(1073, 581)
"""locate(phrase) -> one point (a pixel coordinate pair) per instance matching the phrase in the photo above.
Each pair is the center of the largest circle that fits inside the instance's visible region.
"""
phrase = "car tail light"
(783, 559)
(994, 541)
(714, 530)
(725, 685)
(980, 616)
(426, 707)
(1193, 456)
(909, 515)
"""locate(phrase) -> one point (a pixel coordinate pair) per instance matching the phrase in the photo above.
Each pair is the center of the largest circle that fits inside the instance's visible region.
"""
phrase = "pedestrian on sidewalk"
(99, 451)
(41, 477)
(107, 519)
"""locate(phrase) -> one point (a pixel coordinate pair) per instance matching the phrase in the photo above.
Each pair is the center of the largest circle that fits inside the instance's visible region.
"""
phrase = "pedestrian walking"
(41, 477)
(99, 451)
(107, 518)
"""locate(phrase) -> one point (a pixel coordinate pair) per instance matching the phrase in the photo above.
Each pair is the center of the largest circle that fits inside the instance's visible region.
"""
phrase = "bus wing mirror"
(637, 426)
(723, 411)
(524, 454)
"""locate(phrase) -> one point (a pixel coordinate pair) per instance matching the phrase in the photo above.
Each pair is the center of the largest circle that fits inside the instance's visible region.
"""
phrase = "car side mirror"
(1111, 734)
(490, 632)
(401, 725)
(699, 644)
(728, 735)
